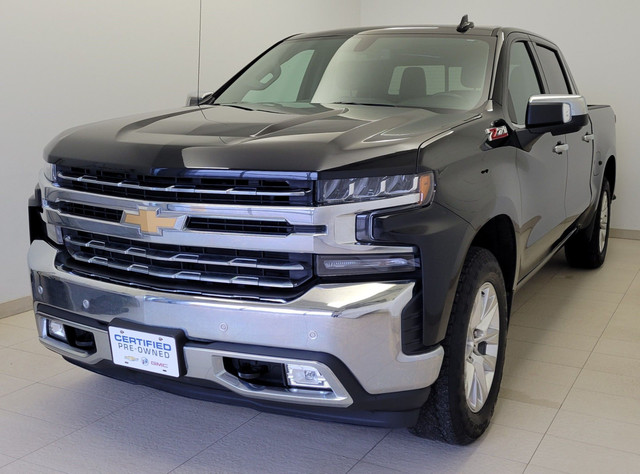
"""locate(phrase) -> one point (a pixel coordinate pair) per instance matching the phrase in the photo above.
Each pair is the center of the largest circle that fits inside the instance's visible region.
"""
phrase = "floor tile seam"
(373, 464)
(588, 315)
(22, 458)
(84, 394)
(389, 431)
(31, 382)
(564, 399)
(552, 469)
(555, 384)
(601, 371)
(215, 442)
(611, 337)
(567, 332)
(73, 428)
(600, 338)
(555, 363)
(518, 428)
(52, 356)
(600, 417)
(552, 345)
(601, 392)
(555, 331)
(593, 445)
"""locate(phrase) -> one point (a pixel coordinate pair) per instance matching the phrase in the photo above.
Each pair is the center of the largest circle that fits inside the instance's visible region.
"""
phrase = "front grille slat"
(168, 256)
(203, 224)
(182, 189)
(195, 189)
(203, 265)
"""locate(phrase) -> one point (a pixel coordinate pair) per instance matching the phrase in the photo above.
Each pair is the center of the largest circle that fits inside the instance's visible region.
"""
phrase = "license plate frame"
(148, 349)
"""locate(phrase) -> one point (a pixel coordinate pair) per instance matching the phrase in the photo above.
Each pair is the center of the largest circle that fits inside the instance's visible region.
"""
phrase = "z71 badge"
(495, 133)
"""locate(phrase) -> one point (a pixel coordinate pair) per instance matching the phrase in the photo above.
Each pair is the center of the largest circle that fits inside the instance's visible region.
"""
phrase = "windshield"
(406, 70)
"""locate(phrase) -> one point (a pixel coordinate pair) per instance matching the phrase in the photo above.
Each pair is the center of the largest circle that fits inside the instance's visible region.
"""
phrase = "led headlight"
(338, 191)
(50, 172)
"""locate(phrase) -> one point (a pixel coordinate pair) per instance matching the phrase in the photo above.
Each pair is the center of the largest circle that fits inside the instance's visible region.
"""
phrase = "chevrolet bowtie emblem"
(149, 221)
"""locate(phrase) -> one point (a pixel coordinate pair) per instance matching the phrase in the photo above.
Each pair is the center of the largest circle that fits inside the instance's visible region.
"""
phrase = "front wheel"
(589, 249)
(463, 398)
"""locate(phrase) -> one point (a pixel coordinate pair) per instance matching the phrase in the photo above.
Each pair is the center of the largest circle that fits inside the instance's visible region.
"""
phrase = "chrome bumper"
(358, 323)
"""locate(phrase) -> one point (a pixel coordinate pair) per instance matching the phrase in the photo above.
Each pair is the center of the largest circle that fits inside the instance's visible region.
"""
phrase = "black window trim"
(535, 41)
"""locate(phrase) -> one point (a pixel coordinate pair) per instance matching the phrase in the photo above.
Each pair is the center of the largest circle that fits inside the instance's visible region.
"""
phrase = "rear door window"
(557, 82)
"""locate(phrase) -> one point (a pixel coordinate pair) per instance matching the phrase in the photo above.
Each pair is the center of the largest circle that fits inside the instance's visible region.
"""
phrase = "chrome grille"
(196, 189)
(204, 224)
(194, 264)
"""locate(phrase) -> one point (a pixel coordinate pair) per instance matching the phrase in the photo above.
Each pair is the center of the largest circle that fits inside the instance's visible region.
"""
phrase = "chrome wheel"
(483, 337)
(604, 221)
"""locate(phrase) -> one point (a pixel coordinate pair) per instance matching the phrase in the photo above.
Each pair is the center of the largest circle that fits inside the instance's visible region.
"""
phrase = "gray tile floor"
(570, 402)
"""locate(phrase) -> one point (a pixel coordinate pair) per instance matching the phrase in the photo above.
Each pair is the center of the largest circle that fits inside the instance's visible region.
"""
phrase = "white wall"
(65, 63)
(598, 42)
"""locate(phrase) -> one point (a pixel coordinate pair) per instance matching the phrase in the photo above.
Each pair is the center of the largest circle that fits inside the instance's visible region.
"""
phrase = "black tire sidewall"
(482, 268)
(595, 236)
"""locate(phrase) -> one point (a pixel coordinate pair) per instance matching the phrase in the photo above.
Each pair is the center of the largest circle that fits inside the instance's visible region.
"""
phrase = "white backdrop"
(70, 62)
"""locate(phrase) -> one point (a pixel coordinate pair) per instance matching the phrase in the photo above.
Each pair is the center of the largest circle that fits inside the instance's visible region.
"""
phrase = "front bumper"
(350, 332)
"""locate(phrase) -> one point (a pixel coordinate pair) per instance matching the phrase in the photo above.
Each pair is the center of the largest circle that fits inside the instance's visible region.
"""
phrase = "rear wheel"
(589, 249)
(463, 398)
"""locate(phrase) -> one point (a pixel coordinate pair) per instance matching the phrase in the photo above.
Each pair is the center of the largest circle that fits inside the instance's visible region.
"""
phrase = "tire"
(588, 248)
(458, 412)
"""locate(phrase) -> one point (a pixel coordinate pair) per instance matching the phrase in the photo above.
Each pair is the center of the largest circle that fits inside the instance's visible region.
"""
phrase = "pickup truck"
(336, 233)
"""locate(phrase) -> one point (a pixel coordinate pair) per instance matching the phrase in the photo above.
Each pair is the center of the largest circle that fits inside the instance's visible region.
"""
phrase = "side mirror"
(196, 99)
(557, 114)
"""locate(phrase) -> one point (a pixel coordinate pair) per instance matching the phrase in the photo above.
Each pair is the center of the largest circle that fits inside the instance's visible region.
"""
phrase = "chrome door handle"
(560, 147)
(588, 137)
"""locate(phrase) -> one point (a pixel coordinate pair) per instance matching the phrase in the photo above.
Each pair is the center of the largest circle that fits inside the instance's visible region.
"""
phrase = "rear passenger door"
(580, 153)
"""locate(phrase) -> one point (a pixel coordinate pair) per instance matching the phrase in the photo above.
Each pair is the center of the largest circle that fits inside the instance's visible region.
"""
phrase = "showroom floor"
(570, 402)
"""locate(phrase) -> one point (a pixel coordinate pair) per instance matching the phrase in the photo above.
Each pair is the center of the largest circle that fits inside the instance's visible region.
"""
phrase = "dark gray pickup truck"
(336, 233)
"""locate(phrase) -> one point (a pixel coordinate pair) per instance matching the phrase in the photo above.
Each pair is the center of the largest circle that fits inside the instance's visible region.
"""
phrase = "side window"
(523, 82)
(553, 72)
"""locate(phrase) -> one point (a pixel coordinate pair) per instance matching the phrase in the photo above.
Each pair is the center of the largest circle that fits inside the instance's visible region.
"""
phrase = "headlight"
(50, 172)
(338, 191)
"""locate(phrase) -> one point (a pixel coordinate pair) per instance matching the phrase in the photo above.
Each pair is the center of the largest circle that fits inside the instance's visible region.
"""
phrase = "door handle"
(560, 147)
(588, 137)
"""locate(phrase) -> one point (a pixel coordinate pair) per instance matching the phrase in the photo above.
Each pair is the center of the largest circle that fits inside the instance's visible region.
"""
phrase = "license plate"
(145, 351)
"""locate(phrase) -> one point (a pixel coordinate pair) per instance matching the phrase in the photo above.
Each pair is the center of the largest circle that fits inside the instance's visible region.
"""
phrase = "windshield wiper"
(364, 103)
(236, 106)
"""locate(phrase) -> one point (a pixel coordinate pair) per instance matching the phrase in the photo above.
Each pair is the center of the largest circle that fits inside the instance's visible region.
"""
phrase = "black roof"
(414, 29)
(409, 29)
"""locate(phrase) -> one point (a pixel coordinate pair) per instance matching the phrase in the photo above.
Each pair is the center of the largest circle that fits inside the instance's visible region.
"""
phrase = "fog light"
(306, 376)
(56, 330)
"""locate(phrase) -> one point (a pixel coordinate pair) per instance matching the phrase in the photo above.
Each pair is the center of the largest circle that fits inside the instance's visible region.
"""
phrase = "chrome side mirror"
(196, 99)
(558, 114)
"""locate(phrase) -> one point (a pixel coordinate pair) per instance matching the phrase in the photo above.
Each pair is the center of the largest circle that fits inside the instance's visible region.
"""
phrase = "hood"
(324, 139)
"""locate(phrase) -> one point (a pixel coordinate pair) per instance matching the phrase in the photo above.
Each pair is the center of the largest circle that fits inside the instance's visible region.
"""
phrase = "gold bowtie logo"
(149, 221)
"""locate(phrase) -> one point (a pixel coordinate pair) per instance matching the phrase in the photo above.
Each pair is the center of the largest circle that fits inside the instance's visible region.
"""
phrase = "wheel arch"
(498, 237)
(610, 172)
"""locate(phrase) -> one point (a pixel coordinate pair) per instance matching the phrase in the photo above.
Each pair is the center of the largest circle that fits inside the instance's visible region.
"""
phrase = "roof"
(400, 29)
